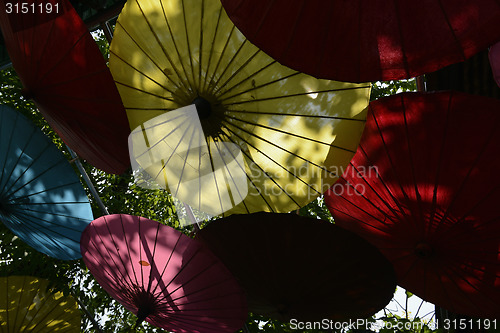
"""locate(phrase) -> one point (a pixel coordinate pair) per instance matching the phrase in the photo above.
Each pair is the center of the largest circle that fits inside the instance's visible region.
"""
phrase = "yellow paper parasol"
(27, 306)
(295, 133)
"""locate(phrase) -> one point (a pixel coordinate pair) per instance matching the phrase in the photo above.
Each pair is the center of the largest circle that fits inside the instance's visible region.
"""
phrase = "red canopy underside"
(64, 72)
(424, 188)
(293, 267)
(359, 41)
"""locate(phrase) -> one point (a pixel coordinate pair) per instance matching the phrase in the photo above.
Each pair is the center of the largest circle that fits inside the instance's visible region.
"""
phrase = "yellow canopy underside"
(297, 133)
(27, 306)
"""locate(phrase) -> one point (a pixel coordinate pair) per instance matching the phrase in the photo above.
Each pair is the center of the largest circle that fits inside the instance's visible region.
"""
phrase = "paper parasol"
(162, 275)
(294, 132)
(357, 41)
(63, 71)
(27, 306)
(292, 267)
(41, 198)
(424, 188)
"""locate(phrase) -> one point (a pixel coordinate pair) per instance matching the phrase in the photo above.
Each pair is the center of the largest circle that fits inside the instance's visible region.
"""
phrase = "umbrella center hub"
(424, 250)
(203, 107)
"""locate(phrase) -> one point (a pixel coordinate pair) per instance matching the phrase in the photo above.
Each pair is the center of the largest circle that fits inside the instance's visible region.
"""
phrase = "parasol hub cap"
(203, 107)
(424, 250)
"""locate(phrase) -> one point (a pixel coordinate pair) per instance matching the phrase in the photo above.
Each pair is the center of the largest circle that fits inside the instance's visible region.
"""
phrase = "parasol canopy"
(292, 267)
(63, 71)
(294, 132)
(27, 305)
(358, 41)
(41, 198)
(162, 275)
(424, 188)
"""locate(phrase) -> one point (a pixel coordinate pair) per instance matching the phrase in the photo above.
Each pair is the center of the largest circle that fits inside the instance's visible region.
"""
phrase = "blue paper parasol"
(41, 198)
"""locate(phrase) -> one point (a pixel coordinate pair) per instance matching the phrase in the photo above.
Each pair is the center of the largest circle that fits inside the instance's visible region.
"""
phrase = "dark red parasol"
(293, 267)
(64, 72)
(424, 188)
(359, 41)
(162, 275)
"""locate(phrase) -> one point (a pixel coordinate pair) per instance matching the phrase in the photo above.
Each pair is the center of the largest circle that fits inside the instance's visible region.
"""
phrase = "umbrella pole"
(190, 213)
(89, 183)
(87, 313)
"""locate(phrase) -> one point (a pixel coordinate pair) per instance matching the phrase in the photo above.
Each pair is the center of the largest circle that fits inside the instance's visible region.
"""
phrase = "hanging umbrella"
(63, 71)
(423, 188)
(27, 305)
(41, 198)
(292, 267)
(494, 56)
(294, 132)
(162, 276)
(367, 40)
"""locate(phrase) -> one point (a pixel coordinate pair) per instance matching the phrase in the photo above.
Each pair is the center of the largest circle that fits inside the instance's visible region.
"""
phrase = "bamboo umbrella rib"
(250, 179)
(214, 177)
(8, 152)
(271, 159)
(451, 30)
(401, 209)
(125, 277)
(29, 217)
(238, 70)
(49, 237)
(412, 168)
(294, 114)
(439, 165)
(186, 86)
(260, 86)
(393, 169)
(289, 133)
(189, 48)
(146, 77)
(289, 96)
(246, 79)
(152, 61)
(459, 190)
(203, 87)
(282, 148)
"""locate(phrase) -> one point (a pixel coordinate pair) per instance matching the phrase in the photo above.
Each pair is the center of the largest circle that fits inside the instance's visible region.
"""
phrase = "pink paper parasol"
(162, 275)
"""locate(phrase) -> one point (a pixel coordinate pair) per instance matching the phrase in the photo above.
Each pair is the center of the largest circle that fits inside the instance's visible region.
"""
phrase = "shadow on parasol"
(292, 267)
(424, 188)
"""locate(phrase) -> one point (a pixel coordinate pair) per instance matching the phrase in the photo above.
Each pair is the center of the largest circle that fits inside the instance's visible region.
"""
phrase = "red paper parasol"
(359, 41)
(63, 71)
(162, 275)
(424, 188)
(293, 267)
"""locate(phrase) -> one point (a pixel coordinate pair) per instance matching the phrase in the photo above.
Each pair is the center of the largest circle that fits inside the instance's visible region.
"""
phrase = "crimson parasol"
(293, 267)
(373, 40)
(424, 188)
(63, 71)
